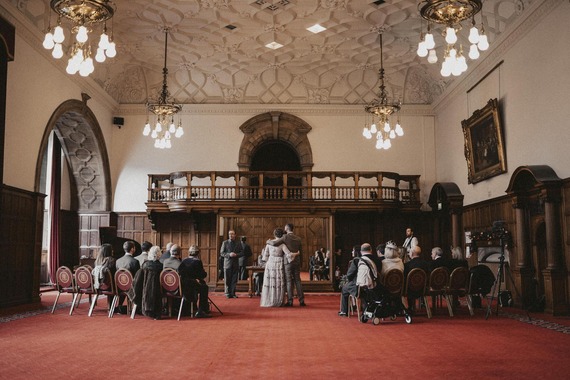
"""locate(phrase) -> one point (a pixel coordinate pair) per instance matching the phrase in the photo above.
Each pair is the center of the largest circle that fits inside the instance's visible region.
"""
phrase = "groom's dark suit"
(292, 269)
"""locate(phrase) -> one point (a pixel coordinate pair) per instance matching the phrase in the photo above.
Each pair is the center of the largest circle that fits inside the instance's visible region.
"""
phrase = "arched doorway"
(78, 144)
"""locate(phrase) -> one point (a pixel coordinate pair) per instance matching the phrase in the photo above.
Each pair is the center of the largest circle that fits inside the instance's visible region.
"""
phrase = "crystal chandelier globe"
(451, 13)
(379, 113)
(164, 109)
(83, 14)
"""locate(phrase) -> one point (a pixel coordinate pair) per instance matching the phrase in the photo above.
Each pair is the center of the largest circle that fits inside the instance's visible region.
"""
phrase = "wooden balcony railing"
(308, 187)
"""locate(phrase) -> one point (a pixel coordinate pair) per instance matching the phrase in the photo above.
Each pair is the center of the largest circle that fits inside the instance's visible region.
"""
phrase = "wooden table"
(250, 271)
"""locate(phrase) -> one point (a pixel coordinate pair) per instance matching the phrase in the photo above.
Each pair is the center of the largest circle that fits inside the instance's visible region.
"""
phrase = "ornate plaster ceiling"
(217, 52)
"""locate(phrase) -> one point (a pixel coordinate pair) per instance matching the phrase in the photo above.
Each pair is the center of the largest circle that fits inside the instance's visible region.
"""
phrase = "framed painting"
(484, 147)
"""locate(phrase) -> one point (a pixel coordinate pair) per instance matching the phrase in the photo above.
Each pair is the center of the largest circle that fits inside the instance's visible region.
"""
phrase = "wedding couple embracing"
(282, 269)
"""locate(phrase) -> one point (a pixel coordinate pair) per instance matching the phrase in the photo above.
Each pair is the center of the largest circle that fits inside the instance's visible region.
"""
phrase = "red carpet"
(251, 342)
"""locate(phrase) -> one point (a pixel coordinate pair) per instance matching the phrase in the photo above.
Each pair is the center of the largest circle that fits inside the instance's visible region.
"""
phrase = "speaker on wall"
(119, 121)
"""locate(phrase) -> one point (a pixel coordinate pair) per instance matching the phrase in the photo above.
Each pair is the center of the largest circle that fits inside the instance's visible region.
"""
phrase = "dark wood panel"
(21, 223)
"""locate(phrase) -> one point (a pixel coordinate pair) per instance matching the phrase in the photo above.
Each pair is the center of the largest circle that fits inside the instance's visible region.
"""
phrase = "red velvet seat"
(64, 283)
(84, 285)
(106, 288)
(123, 283)
(438, 281)
(457, 287)
(416, 285)
(172, 289)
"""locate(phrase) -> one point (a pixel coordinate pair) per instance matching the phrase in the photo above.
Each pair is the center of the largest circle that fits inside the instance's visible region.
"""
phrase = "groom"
(293, 268)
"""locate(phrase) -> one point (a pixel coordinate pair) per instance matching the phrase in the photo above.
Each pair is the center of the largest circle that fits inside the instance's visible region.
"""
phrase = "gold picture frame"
(484, 147)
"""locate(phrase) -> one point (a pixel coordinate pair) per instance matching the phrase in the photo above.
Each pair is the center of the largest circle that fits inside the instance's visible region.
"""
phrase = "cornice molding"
(29, 33)
(298, 109)
(523, 25)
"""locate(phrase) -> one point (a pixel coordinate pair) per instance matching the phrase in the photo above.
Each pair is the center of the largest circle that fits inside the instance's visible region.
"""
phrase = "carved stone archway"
(83, 144)
(275, 126)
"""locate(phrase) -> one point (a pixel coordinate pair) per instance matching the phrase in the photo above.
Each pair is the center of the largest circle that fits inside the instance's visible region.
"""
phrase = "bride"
(274, 277)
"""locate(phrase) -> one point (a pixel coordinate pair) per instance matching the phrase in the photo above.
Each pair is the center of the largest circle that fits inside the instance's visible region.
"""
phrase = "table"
(250, 271)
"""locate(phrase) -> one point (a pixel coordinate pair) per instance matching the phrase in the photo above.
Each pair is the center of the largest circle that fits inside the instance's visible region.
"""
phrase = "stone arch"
(85, 152)
(275, 126)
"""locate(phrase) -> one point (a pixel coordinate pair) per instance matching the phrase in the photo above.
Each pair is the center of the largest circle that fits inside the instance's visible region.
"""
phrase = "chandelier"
(451, 13)
(83, 14)
(164, 108)
(380, 110)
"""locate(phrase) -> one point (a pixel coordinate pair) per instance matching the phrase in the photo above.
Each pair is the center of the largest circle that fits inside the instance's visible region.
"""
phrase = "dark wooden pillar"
(523, 271)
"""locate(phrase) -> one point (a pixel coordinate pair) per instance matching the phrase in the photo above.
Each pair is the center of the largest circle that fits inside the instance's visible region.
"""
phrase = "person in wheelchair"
(351, 287)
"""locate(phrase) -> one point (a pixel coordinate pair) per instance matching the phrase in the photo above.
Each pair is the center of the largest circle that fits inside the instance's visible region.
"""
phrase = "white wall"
(533, 86)
(35, 88)
(212, 140)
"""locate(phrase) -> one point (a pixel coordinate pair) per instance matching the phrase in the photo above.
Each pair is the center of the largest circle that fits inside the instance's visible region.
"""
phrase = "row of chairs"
(439, 284)
(81, 282)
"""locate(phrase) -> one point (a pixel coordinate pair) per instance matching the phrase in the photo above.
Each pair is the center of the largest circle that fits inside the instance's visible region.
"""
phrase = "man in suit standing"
(293, 268)
(231, 251)
(244, 260)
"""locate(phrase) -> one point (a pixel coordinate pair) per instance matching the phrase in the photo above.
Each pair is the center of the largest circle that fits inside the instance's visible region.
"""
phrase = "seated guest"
(457, 259)
(415, 262)
(350, 288)
(174, 260)
(131, 264)
(146, 246)
(166, 253)
(391, 259)
(438, 259)
(104, 263)
(258, 276)
(192, 275)
(380, 250)
(315, 266)
(151, 305)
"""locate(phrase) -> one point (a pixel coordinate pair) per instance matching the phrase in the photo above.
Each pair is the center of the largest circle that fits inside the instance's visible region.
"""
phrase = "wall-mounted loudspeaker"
(119, 121)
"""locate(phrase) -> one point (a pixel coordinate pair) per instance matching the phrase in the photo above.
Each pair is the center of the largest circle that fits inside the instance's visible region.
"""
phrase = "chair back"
(438, 279)
(394, 281)
(83, 278)
(170, 282)
(108, 285)
(64, 278)
(123, 280)
(416, 282)
(459, 278)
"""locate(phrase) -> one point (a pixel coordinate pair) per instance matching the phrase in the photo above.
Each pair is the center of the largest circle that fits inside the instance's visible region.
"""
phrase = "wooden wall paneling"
(135, 226)
(70, 252)
(21, 224)
(89, 224)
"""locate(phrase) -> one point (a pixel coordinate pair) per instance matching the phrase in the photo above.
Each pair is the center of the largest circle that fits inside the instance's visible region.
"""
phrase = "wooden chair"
(64, 283)
(393, 281)
(172, 289)
(106, 288)
(415, 287)
(438, 281)
(457, 287)
(123, 283)
(84, 285)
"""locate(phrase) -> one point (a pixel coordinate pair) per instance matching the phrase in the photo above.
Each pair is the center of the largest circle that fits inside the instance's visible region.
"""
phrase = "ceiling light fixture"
(380, 110)
(83, 14)
(451, 13)
(164, 108)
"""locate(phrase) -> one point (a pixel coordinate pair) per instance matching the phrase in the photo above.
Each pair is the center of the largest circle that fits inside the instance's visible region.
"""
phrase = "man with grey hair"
(166, 253)
(174, 260)
(192, 275)
(438, 259)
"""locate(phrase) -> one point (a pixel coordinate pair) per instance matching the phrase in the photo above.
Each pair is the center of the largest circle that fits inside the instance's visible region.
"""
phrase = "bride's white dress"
(273, 291)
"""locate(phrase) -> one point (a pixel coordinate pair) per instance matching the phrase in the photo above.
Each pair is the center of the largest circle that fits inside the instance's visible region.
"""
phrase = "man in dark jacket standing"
(244, 260)
(231, 251)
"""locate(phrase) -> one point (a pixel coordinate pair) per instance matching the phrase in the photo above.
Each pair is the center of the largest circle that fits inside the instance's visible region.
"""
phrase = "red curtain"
(54, 206)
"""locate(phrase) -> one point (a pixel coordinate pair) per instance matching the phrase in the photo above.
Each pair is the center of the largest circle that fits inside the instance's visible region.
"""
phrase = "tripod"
(499, 279)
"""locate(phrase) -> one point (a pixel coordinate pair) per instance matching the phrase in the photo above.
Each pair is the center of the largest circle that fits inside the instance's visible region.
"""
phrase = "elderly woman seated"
(146, 285)
(391, 259)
